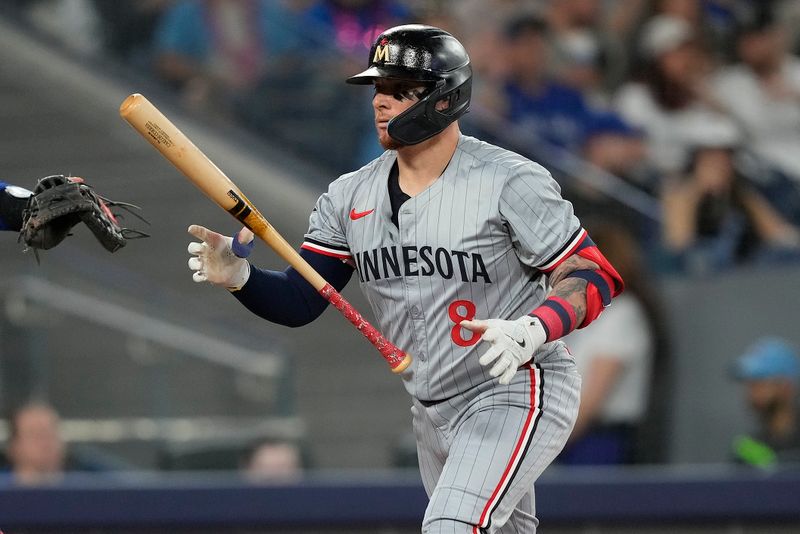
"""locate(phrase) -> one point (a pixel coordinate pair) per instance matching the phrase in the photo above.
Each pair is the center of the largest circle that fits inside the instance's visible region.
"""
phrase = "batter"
(471, 261)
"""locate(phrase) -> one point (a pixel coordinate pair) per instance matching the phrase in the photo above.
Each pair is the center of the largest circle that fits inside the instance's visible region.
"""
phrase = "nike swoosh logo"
(521, 343)
(358, 214)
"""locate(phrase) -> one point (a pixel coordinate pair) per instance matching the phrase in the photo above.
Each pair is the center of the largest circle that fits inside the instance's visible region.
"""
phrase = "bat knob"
(403, 365)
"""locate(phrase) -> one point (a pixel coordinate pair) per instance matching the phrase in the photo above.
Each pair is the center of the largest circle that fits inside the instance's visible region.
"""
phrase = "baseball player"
(471, 261)
(45, 216)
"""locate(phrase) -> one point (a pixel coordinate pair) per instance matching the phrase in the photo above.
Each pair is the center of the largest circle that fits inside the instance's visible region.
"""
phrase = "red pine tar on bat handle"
(396, 358)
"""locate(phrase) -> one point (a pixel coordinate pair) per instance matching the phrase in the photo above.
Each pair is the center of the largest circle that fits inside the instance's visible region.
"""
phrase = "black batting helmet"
(429, 55)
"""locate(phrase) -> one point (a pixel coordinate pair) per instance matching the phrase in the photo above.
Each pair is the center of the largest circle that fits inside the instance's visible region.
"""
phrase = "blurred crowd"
(36, 453)
(693, 104)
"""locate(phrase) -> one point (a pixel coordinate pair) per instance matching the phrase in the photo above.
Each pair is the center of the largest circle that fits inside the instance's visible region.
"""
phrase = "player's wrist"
(535, 331)
(557, 317)
(239, 276)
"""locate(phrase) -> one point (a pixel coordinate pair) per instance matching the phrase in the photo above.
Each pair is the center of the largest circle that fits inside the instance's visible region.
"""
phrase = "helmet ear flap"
(457, 101)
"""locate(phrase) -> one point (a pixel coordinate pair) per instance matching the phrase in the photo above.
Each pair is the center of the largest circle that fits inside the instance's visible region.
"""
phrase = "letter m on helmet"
(381, 51)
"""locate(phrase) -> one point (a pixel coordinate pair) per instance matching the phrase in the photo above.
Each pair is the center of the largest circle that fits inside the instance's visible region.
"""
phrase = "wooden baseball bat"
(202, 172)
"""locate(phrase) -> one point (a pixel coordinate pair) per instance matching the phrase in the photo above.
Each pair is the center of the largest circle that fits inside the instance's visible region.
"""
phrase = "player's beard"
(387, 141)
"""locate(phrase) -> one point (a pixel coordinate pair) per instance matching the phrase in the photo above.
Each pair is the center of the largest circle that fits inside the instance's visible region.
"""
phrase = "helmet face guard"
(424, 54)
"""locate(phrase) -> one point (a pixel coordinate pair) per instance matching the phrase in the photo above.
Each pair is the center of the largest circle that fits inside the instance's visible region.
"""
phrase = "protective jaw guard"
(422, 121)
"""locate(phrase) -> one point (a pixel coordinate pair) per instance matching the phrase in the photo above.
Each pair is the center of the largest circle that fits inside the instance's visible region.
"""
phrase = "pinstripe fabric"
(481, 453)
(475, 243)
(480, 234)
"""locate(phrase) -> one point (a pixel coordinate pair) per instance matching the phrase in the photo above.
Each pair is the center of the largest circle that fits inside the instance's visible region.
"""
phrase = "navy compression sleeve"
(11, 208)
(284, 297)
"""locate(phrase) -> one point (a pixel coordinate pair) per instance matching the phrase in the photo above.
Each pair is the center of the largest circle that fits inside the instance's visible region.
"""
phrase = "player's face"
(392, 97)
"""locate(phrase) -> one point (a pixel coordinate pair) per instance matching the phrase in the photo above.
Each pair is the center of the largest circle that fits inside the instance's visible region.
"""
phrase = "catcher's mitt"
(58, 203)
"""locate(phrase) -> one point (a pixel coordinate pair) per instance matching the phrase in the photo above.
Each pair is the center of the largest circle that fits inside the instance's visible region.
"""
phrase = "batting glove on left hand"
(215, 259)
(513, 343)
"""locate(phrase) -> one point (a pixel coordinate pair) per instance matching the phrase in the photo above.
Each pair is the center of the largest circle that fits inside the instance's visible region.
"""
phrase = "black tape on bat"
(240, 210)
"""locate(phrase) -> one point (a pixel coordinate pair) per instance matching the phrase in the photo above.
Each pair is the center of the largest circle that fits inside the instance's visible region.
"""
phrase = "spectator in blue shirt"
(557, 115)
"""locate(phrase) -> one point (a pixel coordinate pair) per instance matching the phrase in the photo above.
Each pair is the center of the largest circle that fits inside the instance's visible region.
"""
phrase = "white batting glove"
(215, 262)
(513, 343)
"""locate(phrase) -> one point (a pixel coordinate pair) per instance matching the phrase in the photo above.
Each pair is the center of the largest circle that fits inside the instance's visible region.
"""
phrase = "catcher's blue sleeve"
(3, 216)
(13, 200)
(284, 297)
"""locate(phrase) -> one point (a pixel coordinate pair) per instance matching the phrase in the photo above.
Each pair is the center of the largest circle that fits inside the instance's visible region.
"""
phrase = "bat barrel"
(180, 151)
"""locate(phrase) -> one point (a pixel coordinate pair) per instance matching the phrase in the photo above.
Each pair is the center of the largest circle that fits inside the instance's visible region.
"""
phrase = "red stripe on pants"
(524, 437)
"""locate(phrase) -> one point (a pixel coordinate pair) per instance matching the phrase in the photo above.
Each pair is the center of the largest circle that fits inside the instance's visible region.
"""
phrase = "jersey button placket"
(407, 227)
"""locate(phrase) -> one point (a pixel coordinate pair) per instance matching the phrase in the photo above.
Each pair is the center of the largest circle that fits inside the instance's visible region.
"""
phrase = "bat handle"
(396, 358)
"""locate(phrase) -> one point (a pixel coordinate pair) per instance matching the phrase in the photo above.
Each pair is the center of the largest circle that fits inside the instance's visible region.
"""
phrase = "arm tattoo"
(570, 265)
(572, 290)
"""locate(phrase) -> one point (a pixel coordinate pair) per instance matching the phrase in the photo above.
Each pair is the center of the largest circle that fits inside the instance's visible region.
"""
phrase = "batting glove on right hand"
(214, 259)
(513, 343)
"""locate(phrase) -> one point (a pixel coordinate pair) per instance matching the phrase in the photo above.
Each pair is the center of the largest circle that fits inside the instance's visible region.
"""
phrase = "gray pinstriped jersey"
(471, 245)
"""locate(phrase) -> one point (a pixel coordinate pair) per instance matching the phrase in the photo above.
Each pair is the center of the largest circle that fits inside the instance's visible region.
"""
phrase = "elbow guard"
(599, 292)
(603, 284)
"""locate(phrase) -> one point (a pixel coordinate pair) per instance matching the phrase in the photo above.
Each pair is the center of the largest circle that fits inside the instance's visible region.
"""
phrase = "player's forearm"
(582, 285)
(572, 291)
(285, 298)
(276, 297)
(574, 302)
(565, 305)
